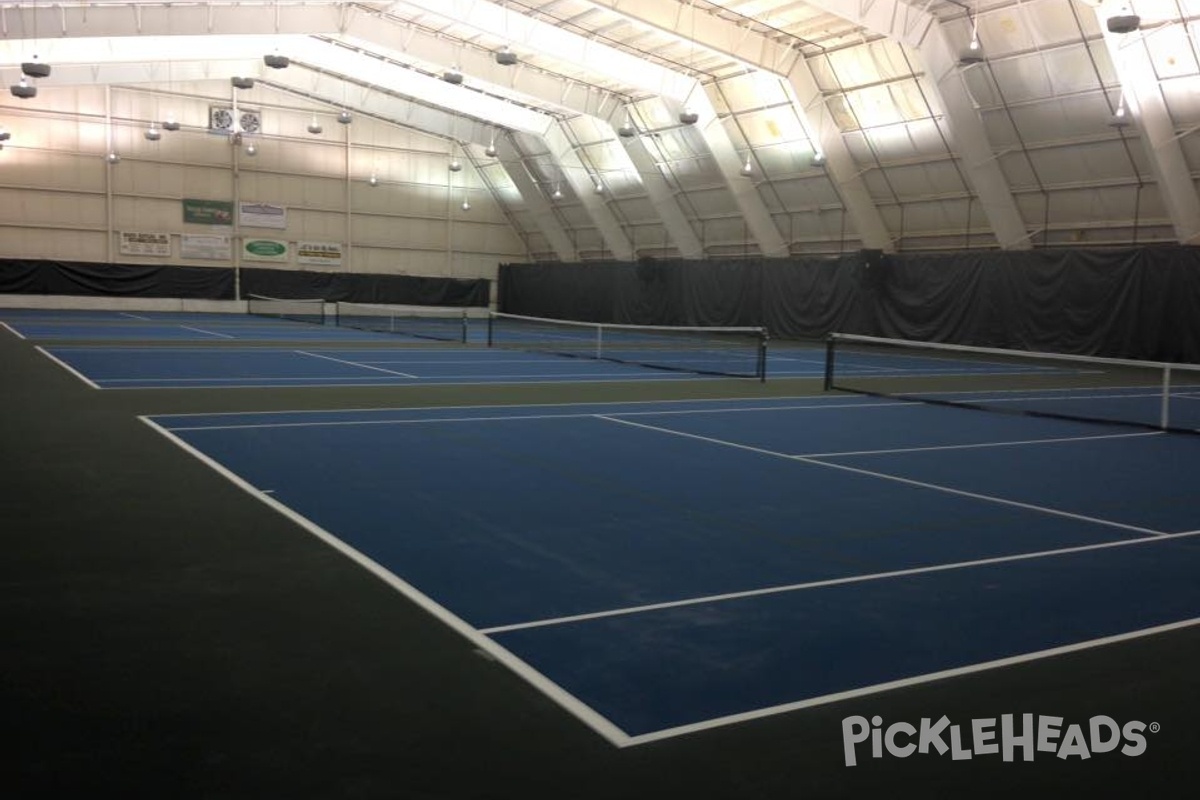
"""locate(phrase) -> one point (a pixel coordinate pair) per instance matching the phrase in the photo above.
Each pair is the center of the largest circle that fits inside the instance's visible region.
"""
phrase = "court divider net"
(1149, 394)
(300, 310)
(705, 350)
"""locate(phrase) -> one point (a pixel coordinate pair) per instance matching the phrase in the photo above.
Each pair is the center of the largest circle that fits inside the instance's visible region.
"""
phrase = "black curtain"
(1134, 303)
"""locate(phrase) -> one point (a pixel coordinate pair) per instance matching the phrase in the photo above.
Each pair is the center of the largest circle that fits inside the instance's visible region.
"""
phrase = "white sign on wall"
(145, 244)
(262, 215)
(321, 254)
(206, 247)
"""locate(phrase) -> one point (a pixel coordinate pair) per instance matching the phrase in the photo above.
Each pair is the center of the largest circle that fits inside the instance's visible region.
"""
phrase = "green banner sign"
(208, 212)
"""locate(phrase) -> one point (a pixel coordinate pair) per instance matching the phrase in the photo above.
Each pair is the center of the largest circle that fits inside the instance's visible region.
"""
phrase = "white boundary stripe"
(494, 418)
(355, 364)
(916, 680)
(539, 681)
(12, 330)
(980, 445)
(67, 367)
(832, 400)
(207, 333)
(885, 476)
(131, 315)
(798, 587)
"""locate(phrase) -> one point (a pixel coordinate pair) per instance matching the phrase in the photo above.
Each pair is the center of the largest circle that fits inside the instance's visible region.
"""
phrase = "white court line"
(356, 364)
(916, 680)
(12, 330)
(897, 479)
(207, 333)
(131, 315)
(496, 417)
(1098, 437)
(67, 367)
(565, 699)
(798, 587)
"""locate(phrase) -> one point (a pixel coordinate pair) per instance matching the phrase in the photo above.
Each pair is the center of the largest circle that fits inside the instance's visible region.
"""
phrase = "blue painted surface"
(509, 516)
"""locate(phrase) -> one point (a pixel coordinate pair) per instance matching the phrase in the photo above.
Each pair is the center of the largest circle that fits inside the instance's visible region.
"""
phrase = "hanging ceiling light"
(152, 133)
(466, 205)
(35, 68)
(557, 194)
(747, 168)
(973, 52)
(688, 117)
(252, 150)
(453, 76)
(170, 124)
(455, 165)
(24, 89)
(344, 117)
(627, 130)
(242, 83)
(506, 57)
(276, 61)
(818, 159)
(112, 157)
(314, 127)
(1125, 22)
(1120, 117)
(490, 151)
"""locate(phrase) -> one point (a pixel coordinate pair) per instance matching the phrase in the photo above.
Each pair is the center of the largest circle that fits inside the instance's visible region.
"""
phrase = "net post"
(1164, 418)
(763, 336)
(464, 326)
(829, 351)
(491, 325)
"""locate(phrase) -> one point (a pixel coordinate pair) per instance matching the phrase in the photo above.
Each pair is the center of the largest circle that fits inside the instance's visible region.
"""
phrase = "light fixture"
(453, 76)
(276, 61)
(35, 69)
(373, 180)
(973, 52)
(506, 57)
(557, 195)
(344, 117)
(24, 89)
(242, 83)
(466, 205)
(818, 159)
(112, 157)
(152, 133)
(170, 124)
(252, 150)
(1120, 117)
(747, 168)
(598, 188)
(5, 136)
(1124, 23)
(314, 127)
(627, 130)
(688, 117)
(490, 151)
(455, 165)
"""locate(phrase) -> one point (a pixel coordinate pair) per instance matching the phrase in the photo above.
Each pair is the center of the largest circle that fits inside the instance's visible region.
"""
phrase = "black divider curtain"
(1136, 303)
(363, 288)
(117, 280)
(217, 283)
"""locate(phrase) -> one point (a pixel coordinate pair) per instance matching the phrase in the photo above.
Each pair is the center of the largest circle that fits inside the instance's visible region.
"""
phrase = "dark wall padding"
(364, 288)
(1135, 303)
(218, 283)
(116, 280)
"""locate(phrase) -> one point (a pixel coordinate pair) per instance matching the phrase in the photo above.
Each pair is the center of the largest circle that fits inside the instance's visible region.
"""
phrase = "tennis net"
(283, 308)
(706, 350)
(451, 324)
(1150, 394)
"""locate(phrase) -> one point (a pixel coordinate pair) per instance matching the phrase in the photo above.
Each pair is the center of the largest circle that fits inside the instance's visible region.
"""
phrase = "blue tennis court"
(175, 326)
(660, 568)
